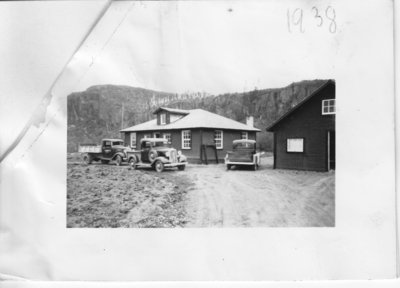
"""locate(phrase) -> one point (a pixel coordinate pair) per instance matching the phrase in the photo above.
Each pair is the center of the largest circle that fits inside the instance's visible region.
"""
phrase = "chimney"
(250, 121)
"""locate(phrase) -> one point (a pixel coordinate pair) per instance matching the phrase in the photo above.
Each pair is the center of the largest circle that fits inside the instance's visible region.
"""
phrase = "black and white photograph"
(198, 141)
(264, 157)
(216, 144)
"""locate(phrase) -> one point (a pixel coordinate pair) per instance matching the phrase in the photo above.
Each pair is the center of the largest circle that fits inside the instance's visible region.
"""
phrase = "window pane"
(218, 139)
(328, 106)
(186, 139)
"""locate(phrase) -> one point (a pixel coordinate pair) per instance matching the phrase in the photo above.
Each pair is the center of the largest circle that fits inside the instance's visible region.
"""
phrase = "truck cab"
(108, 150)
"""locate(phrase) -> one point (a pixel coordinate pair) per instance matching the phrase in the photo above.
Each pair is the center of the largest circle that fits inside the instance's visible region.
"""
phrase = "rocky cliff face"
(101, 111)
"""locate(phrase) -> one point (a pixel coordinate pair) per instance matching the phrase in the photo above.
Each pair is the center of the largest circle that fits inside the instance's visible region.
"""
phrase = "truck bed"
(240, 156)
(89, 148)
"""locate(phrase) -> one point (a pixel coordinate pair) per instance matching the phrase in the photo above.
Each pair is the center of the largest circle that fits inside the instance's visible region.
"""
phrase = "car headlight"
(168, 153)
(179, 152)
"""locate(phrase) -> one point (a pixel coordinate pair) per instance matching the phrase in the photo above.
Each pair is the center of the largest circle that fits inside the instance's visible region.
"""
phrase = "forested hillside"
(101, 111)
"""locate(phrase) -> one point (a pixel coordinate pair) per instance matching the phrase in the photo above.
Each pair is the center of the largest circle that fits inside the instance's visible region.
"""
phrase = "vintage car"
(244, 153)
(156, 153)
(108, 150)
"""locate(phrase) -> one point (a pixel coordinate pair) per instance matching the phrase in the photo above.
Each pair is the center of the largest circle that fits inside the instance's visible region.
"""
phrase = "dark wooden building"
(195, 132)
(304, 137)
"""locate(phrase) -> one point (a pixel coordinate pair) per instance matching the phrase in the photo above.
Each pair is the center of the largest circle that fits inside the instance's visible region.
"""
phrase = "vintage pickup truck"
(244, 154)
(156, 153)
(109, 150)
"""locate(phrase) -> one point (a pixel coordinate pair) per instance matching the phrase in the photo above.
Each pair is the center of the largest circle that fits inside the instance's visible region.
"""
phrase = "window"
(328, 107)
(245, 135)
(163, 118)
(168, 137)
(218, 139)
(186, 139)
(295, 145)
(133, 140)
(146, 136)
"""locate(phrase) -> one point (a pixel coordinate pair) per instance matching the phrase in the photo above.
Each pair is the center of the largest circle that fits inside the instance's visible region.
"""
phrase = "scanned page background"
(36, 244)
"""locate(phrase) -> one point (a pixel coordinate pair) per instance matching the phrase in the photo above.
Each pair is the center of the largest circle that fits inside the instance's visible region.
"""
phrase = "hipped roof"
(196, 118)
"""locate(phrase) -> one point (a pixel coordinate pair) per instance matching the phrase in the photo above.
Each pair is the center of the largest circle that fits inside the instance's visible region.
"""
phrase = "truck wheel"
(132, 162)
(152, 155)
(159, 166)
(87, 159)
(182, 167)
(118, 160)
(104, 161)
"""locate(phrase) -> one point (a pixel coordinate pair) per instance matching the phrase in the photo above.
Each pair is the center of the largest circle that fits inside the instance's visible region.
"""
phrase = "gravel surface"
(201, 196)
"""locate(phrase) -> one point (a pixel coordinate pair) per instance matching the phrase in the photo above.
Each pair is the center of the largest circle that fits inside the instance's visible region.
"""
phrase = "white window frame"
(245, 133)
(163, 118)
(326, 104)
(186, 144)
(168, 138)
(219, 144)
(293, 147)
(133, 138)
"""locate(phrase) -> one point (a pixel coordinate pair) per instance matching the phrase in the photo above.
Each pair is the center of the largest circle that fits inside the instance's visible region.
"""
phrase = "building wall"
(308, 123)
(193, 153)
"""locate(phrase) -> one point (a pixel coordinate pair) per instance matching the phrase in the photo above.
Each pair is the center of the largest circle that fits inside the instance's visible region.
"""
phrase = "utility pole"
(122, 116)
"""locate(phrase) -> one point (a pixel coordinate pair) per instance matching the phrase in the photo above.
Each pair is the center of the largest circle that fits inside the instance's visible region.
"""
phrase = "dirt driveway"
(267, 197)
(201, 196)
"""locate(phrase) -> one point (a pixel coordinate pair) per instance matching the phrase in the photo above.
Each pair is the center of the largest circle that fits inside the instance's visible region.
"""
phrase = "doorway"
(331, 150)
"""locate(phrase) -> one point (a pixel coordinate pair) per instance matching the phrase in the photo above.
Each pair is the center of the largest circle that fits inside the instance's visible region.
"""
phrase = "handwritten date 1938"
(324, 18)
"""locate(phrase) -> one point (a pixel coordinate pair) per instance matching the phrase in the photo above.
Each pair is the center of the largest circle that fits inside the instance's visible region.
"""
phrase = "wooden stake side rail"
(203, 153)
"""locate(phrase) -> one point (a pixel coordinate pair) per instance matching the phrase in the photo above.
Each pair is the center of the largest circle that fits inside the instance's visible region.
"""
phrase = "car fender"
(130, 156)
(162, 159)
(182, 158)
(120, 154)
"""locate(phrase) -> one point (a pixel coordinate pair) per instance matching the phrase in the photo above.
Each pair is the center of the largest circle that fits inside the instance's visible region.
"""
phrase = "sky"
(218, 47)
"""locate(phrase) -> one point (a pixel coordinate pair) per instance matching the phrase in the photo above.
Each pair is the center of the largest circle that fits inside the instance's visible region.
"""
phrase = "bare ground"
(201, 196)
(267, 197)
(117, 196)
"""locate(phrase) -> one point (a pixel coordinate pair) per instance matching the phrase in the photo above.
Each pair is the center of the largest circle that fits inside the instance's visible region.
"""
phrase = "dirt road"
(267, 197)
(201, 196)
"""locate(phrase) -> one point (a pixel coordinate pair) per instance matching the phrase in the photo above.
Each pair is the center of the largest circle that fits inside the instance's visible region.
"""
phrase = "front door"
(331, 150)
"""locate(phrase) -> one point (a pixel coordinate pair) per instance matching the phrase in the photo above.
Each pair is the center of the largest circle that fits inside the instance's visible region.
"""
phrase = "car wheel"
(104, 161)
(228, 167)
(118, 160)
(87, 159)
(132, 162)
(182, 167)
(159, 166)
(152, 155)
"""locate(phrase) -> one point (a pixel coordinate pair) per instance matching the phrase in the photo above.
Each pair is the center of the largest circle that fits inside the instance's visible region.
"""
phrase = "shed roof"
(196, 118)
(271, 127)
